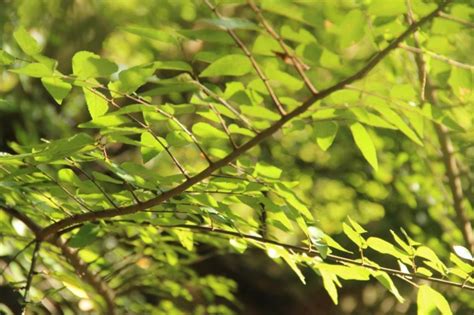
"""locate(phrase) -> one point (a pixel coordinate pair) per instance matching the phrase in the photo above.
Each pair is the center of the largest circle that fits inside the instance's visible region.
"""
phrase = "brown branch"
(80, 267)
(294, 60)
(254, 63)
(108, 213)
(449, 61)
(29, 278)
(82, 270)
(456, 19)
(447, 149)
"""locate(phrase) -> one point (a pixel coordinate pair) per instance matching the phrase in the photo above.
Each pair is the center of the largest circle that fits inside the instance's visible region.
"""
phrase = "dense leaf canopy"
(236, 157)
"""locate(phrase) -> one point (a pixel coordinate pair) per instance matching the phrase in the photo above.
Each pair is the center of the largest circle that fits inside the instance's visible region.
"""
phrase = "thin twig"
(226, 104)
(255, 65)
(449, 61)
(106, 195)
(31, 273)
(17, 254)
(456, 19)
(294, 60)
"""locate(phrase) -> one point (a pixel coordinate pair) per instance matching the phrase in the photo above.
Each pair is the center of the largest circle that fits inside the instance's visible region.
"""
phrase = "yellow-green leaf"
(96, 103)
(365, 144)
(57, 87)
(429, 300)
(26, 42)
(325, 134)
(232, 65)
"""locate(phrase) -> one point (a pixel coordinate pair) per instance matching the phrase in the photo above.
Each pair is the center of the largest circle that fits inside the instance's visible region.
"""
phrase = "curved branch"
(311, 251)
(80, 267)
(109, 213)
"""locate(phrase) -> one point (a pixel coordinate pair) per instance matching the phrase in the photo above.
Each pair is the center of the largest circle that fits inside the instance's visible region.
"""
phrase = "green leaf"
(232, 23)
(329, 283)
(385, 247)
(353, 235)
(96, 103)
(359, 229)
(105, 178)
(352, 28)
(318, 239)
(5, 58)
(365, 144)
(346, 272)
(330, 60)
(131, 79)
(393, 118)
(404, 92)
(259, 112)
(429, 300)
(408, 249)
(205, 131)
(231, 65)
(173, 65)
(151, 147)
(26, 42)
(387, 282)
(461, 81)
(85, 236)
(109, 120)
(87, 65)
(57, 87)
(239, 244)
(66, 175)
(430, 255)
(387, 8)
(266, 170)
(35, 70)
(185, 238)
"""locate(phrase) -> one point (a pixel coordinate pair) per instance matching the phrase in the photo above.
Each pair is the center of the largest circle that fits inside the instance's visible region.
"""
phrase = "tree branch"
(31, 273)
(80, 267)
(109, 213)
(311, 251)
(418, 50)
(447, 149)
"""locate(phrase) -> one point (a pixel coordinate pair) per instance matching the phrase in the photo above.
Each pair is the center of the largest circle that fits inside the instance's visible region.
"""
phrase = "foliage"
(141, 137)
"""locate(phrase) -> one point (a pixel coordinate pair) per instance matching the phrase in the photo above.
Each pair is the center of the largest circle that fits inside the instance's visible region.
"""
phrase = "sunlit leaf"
(230, 65)
(365, 144)
(430, 300)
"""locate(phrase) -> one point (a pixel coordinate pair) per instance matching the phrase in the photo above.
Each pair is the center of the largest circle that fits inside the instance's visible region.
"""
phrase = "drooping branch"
(80, 267)
(109, 213)
(310, 251)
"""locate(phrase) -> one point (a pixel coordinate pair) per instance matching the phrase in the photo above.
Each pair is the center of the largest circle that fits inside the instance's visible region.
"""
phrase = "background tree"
(196, 141)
